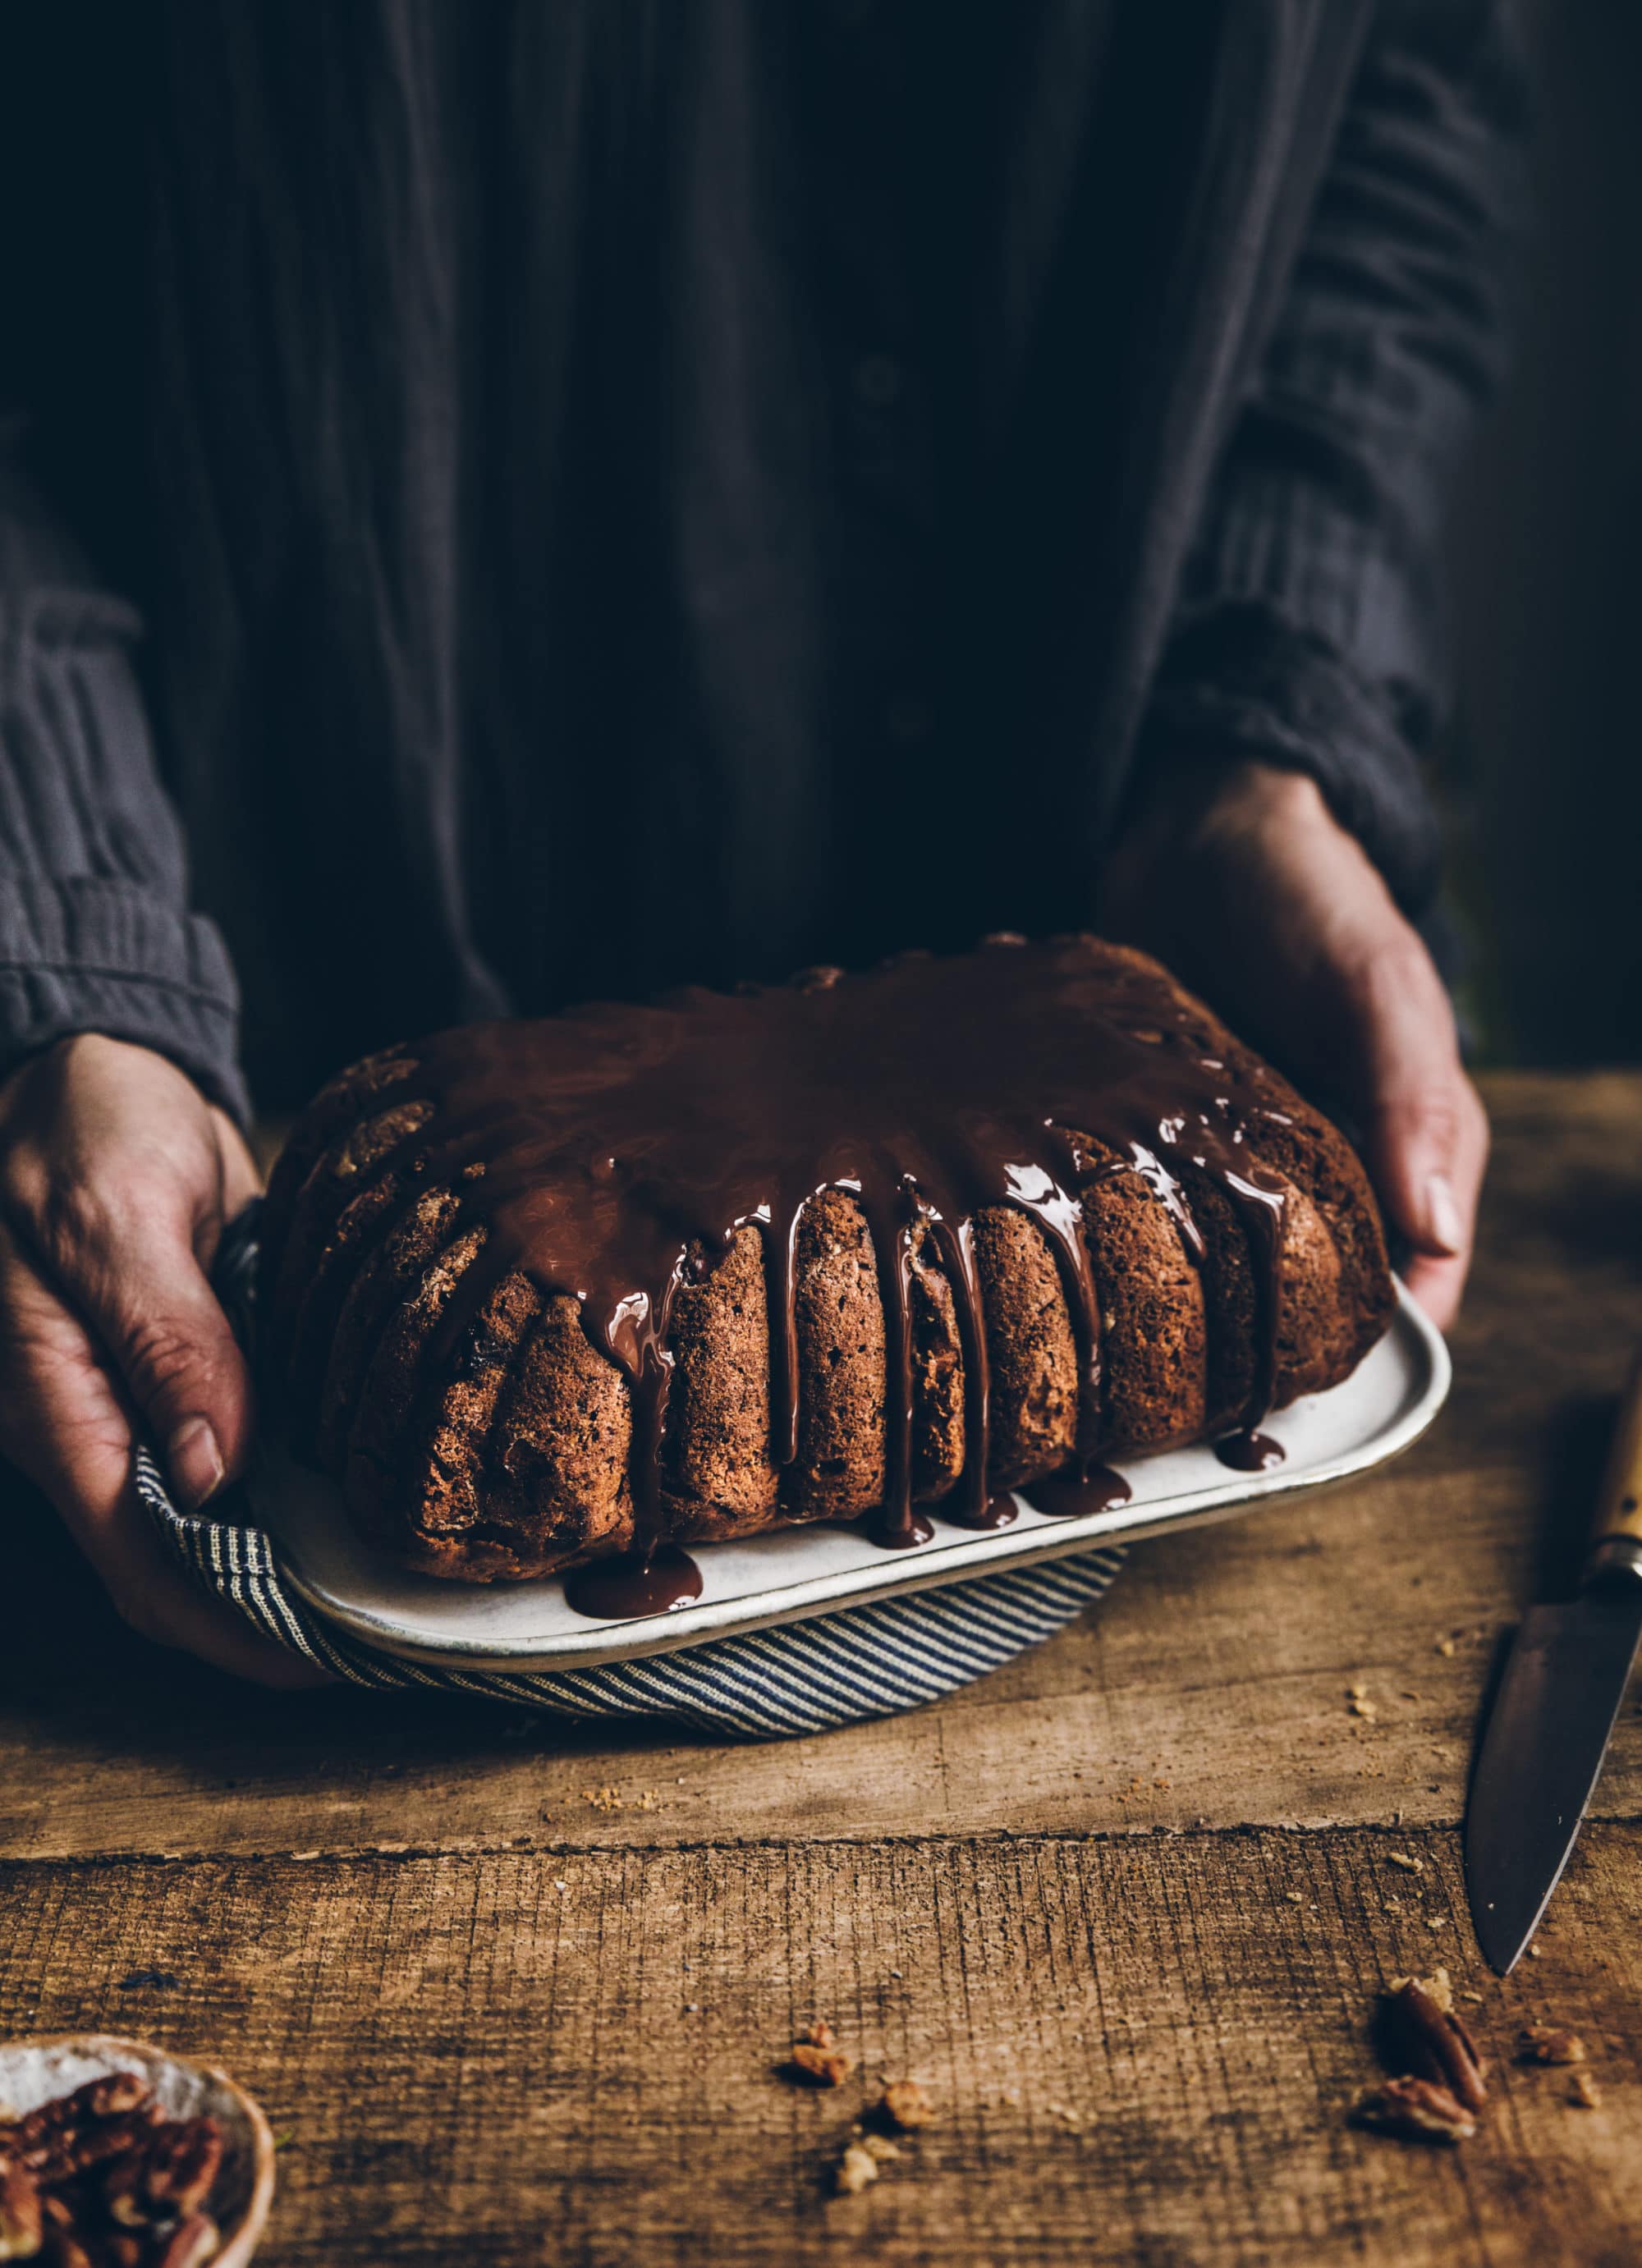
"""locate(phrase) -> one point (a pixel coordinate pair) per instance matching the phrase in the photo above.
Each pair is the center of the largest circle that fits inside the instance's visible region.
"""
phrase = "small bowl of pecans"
(115, 2155)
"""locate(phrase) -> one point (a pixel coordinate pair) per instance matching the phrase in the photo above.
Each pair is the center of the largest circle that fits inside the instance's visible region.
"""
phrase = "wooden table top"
(516, 1993)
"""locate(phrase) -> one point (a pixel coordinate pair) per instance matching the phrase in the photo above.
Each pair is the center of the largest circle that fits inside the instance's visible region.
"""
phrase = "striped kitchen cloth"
(805, 1677)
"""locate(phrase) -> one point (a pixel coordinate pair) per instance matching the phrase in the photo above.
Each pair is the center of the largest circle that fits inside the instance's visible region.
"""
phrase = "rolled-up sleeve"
(95, 930)
(1308, 632)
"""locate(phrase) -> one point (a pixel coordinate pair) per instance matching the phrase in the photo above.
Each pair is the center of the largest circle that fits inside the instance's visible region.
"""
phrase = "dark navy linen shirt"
(544, 500)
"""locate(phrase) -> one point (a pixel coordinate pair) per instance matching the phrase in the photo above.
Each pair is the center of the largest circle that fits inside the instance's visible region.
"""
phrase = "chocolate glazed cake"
(592, 1288)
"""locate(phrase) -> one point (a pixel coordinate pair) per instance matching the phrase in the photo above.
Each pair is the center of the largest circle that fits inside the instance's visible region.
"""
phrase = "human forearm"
(96, 934)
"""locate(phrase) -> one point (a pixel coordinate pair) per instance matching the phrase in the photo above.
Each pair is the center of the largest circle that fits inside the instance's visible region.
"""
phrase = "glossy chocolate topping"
(601, 1147)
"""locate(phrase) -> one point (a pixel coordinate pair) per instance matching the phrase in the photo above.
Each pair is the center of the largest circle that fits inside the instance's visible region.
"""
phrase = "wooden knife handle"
(1619, 1506)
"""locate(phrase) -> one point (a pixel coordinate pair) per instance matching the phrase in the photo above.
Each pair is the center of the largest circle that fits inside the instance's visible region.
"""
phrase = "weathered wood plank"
(1143, 2049)
(1215, 1675)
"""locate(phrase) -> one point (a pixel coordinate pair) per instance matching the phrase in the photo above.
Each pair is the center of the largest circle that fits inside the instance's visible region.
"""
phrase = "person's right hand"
(116, 1178)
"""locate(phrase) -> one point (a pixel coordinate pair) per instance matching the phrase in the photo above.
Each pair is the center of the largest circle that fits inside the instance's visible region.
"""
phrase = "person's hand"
(1244, 884)
(116, 1177)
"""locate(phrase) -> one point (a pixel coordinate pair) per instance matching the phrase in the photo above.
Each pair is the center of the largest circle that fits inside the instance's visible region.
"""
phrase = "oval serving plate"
(792, 1574)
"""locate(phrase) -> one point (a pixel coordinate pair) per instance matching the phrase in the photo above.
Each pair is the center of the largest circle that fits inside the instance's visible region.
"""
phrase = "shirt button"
(877, 380)
(908, 719)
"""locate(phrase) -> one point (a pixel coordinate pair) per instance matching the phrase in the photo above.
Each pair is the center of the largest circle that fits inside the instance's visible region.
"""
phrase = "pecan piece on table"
(817, 2067)
(1425, 2033)
(1548, 2044)
(1417, 2108)
(906, 2104)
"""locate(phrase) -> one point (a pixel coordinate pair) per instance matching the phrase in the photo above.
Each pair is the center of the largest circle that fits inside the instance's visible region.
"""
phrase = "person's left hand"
(1240, 879)
(117, 1177)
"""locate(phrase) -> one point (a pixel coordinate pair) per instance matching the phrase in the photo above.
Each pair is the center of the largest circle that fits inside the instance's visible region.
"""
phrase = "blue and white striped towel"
(807, 1677)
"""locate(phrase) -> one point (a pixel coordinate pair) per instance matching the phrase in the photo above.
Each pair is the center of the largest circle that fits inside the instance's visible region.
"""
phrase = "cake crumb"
(1406, 1860)
(1584, 2093)
(1438, 1987)
(880, 2147)
(857, 2169)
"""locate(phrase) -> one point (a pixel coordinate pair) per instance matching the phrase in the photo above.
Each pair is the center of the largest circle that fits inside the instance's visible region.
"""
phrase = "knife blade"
(1548, 1732)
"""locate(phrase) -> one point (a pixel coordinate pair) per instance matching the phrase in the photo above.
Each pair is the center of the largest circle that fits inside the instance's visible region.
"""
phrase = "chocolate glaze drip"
(603, 1148)
(621, 1590)
(996, 1512)
(1247, 1451)
(1068, 1495)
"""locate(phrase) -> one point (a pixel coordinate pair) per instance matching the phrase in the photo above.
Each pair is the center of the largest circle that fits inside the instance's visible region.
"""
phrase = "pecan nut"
(67, 2251)
(182, 2163)
(19, 2212)
(1548, 2044)
(906, 2104)
(1433, 2039)
(100, 2178)
(197, 2239)
(121, 2091)
(1418, 2109)
(817, 2067)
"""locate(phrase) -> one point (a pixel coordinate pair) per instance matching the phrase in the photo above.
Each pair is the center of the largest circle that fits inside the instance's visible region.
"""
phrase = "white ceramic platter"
(787, 1576)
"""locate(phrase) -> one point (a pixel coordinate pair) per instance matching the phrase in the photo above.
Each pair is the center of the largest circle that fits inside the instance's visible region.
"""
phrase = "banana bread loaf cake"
(538, 1293)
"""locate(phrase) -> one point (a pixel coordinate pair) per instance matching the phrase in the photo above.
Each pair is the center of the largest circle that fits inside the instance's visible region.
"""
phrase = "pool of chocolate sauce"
(1247, 1451)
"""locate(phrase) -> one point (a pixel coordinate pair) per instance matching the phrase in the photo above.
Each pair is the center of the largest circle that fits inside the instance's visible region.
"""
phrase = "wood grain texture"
(1141, 2050)
(1143, 1874)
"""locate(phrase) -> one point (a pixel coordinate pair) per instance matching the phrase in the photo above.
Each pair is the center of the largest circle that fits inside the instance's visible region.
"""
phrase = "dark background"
(1540, 781)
